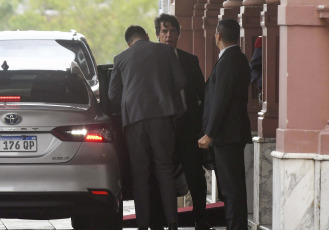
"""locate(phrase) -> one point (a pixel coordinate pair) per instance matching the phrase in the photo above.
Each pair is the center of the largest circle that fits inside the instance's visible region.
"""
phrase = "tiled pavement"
(15, 224)
(63, 224)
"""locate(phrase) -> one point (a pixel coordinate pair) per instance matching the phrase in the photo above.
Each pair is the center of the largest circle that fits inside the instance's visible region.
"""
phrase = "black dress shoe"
(172, 227)
(203, 226)
(143, 228)
(158, 227)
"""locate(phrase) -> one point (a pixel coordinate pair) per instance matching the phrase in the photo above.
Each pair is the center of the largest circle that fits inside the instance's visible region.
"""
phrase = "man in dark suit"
(189, 125)
(146, 81)
(226, 122)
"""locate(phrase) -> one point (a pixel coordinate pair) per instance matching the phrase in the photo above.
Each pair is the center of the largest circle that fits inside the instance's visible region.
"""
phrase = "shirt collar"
(223, 50)
(176, 52)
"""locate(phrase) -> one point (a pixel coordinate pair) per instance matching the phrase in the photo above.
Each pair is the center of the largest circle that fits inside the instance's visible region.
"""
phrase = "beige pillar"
(232, 3)
(249, 19)
(231, 9)
(183, 10)
(301, 162)
(184, 13)
(268, 116)
(265, 142)
(198, 32)
(210, 22)
(253, 2)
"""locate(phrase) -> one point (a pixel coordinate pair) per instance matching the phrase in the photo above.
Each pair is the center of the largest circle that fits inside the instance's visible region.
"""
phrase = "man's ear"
(131, 43)
(219, 37)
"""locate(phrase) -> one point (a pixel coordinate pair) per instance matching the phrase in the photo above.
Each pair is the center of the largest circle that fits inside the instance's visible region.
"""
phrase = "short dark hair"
(229, 29)
(164, 18)
(133, 32)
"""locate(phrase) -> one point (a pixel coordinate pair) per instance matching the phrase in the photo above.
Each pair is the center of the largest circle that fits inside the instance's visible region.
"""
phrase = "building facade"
(288, 164)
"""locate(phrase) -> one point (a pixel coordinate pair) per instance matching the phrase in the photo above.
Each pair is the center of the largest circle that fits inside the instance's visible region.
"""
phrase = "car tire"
(81, 222)
(110, 221)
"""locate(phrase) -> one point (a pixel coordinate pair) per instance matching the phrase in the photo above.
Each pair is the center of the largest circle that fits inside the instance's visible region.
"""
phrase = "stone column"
(268, 116)
(249, 19)
(210, 22)
(184, 13)
(265, 142)
(231, 9)
(301, 159)
(198, 32)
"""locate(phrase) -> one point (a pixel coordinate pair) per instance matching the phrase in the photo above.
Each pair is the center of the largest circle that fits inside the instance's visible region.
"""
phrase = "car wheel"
(118, 218)
(81, 222)
(110, 221)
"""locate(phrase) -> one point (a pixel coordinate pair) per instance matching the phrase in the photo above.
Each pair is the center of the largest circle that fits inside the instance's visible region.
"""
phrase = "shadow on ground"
(215, 214)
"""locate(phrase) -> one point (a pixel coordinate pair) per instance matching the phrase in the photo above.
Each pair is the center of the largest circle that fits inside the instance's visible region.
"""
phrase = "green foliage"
(103, 22)
(7, 9)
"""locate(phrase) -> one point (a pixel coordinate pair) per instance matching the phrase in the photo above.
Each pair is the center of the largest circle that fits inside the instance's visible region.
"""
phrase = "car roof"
(18, 63)
(40, 35)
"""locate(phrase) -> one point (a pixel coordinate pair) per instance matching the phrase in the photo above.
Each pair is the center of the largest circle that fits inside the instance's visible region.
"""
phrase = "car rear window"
(30, 53)
(43, 86)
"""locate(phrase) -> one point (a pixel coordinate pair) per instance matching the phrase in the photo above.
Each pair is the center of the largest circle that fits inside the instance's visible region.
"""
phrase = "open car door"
(112, 110)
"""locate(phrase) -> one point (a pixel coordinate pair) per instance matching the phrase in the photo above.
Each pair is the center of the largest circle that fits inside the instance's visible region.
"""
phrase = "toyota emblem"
(12, 119)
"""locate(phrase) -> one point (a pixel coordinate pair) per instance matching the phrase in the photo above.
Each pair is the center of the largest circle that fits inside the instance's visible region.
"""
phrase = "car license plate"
(18, 143)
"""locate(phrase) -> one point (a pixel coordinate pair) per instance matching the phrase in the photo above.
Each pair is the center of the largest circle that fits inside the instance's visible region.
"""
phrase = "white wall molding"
(311, 156)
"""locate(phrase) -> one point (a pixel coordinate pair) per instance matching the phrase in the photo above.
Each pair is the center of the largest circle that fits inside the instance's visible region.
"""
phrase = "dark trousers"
(152, 141)
(231, 175)
(190, 156)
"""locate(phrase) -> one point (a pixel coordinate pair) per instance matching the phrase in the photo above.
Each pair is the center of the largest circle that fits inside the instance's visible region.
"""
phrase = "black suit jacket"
(225, 112)
(189, 126)
(146, 80)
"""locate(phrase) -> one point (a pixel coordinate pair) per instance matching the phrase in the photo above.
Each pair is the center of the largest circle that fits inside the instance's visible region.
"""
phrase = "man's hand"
(204, 142)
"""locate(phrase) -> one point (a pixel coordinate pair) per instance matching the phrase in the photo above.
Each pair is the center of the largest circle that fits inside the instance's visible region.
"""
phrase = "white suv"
(48, 50)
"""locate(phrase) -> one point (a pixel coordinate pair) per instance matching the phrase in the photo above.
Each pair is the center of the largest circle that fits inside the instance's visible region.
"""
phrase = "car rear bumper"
(57, 191)
(55, 205)
(59, 178)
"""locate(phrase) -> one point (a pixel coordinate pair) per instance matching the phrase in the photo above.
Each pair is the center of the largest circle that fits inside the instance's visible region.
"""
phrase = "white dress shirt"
(223, 50)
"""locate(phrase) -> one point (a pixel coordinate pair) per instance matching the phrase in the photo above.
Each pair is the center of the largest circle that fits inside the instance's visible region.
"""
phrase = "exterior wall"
(184, 13)
(302, 116)
(198, 32)
(263, 180)
(210, 21)
(249, 174)
(268, 116)
(204, 46)
(265, 143)
(301, 197)
(249, 19)
(292, 122)
(322, 197)
(293, 184)
(301, 159)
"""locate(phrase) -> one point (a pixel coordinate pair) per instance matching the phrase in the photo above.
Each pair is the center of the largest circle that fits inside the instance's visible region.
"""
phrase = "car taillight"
(99, 192)
(94, 137)
(10, 98)
(85, 133)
